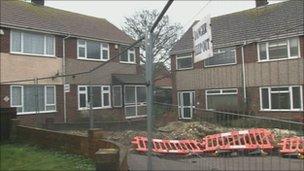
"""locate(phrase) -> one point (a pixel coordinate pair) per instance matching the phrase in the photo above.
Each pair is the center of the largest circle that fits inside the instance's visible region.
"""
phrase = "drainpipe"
(63, 79)
(244, 73)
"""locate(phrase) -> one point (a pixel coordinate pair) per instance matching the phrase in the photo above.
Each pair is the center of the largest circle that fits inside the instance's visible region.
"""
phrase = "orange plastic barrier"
(169, 146)
(248, 140)
(292, 146)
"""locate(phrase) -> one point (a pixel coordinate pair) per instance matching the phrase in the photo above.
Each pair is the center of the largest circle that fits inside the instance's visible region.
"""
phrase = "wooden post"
(107, 159)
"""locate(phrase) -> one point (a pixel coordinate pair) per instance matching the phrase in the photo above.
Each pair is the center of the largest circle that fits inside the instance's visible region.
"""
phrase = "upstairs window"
(184, 61)
(128, 56)
(224, 56)
(279, 49)
(32, 43)
(92, 50)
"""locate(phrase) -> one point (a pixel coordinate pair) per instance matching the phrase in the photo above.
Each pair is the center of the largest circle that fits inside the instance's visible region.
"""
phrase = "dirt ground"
(177, 130)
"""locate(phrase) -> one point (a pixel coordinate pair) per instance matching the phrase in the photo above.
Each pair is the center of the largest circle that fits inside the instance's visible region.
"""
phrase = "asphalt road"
(275, 163)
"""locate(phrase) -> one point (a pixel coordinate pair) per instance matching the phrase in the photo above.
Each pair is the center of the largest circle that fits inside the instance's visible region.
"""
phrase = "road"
(275, 163)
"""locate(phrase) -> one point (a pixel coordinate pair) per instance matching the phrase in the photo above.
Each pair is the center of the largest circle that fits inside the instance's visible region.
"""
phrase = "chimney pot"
(38, 2)
(259, 3)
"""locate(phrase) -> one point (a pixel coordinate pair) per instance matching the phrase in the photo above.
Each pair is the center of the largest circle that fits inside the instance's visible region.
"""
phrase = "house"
(257, 67)
(43, 42)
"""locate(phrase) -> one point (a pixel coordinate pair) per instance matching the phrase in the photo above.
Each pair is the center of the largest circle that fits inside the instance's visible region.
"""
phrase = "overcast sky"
(184, 12)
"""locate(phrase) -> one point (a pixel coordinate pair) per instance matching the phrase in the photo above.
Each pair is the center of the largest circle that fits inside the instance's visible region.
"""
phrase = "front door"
(135, 101)
(186, 104)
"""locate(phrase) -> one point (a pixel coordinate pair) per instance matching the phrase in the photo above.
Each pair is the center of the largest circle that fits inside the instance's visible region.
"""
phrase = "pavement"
(244, 163)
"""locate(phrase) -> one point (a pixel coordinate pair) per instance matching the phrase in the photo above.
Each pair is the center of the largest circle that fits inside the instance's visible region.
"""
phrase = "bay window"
(288, 98)
(92, 50)
(224, 56)
(279, 49)
(100, 96)
(184, 61)
(32, 43)
(31, 98)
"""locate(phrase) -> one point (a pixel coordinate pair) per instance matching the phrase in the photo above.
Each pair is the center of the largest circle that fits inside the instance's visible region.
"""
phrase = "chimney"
(38, 2)
(260, 3)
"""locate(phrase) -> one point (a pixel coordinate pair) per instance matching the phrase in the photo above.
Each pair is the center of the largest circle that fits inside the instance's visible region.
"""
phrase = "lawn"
(24, 157)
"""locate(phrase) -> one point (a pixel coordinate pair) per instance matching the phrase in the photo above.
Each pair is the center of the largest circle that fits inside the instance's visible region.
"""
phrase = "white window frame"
(130, 51)
(45, 99)
(180, 101)
(217, 51)
(87, 96)
(135, 103)
(182, 57)
(85, 50)
(121, 100)
(32, 54)
(290, 98)
(219, 92)
(288, 50)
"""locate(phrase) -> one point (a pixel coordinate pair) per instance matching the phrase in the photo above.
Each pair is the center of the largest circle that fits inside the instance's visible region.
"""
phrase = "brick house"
(266, 79)
(39, 41)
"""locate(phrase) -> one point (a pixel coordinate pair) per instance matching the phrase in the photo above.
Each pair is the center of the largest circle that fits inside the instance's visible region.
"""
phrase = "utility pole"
(149, 82)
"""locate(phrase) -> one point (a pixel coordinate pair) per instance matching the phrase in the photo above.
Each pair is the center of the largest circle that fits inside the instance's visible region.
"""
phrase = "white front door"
(185, 104)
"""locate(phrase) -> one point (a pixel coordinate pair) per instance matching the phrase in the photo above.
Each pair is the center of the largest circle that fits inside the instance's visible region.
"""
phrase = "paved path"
(139, 162)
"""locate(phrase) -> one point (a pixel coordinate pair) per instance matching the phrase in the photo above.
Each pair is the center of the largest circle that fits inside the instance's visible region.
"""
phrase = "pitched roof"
(28, 15)
(285, 18)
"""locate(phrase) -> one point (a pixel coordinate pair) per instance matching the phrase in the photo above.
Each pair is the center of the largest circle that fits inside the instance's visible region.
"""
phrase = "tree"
(166, 33)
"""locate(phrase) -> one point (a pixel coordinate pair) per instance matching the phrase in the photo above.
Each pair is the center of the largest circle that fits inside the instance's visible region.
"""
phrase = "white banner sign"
(202, 40)
(66, 88)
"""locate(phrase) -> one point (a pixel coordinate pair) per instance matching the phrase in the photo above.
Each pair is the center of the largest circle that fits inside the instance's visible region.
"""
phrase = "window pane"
(280, 101)
(184, 63)
(96, 96)
(186, 99)
(280, 89)
(278, 49)
(30, 98)
(222, 102)
(33, 43)
(294, 47)
(16, 96)
(124, 56)
(82, 100)
(130, 94)
(265, 99)
(49, 45)
(50, 96)
(105, 54)
(93, 50)
(16, 41)
(262, 49)
(132, 57)
(106, 99)
(50, 108)
(296, 96)
(141, 94)
(187, 112)
(81, 52)
(222, 56)
(117, 96)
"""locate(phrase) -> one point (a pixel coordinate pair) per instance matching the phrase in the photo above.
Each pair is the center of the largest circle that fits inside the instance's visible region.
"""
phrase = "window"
(92, 50)
(186, 104)
(24, 98)
(222, 99)
(279, 49)
(135, 101)
(224, 56)
(281, 98)
(184, 61)
(100, 96)
(32, 43)
(117, 96)
(128, 56)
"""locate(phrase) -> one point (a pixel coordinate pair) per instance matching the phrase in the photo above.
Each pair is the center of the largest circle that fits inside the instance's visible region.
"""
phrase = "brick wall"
(5, 40)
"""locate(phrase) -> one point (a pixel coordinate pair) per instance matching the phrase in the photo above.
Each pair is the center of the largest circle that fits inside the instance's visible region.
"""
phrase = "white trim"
(288, 50)
(34, 113)
(101, 48)
(129, 52)
(216, 65)
(121, 100)
(137, 116)
(290, 92)
(181, 102)
(32, 54)
(183, 57)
